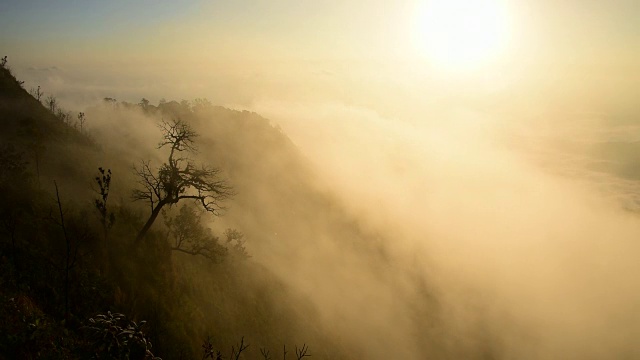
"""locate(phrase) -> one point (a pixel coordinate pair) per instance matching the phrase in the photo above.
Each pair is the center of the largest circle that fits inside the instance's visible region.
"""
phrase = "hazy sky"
(287, 29)
(196, 48)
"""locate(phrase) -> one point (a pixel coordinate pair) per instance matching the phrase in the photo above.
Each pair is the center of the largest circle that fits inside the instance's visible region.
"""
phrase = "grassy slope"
(183, 298)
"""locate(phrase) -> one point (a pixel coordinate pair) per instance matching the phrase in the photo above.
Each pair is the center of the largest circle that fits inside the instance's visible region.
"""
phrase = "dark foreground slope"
(314, 273)
(60, 268)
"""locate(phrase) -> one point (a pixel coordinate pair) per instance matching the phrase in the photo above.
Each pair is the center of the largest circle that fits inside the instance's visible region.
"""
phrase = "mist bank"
(450, 232)
(530, 249)
(495, 237)
(410, 90)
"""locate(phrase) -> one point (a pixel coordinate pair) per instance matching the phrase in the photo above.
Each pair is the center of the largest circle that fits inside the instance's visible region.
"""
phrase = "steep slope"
(317, 274)
(184, 298)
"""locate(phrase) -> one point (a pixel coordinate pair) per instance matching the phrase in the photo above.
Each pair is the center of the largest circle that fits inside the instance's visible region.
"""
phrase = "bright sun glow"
(462, 34)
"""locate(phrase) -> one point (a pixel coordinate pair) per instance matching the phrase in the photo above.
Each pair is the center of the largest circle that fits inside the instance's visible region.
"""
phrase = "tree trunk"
(147, 225)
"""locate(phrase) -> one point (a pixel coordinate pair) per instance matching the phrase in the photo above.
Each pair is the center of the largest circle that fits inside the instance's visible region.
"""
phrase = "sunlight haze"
(413, 179)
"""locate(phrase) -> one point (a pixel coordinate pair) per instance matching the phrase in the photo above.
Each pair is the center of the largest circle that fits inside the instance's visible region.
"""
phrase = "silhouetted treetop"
(179, 178)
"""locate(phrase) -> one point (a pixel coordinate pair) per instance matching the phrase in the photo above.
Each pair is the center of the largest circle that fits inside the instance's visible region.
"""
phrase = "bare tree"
(107, 218)
(235, 353)
(52, 104)
(179, 178)
(64, 116)
(37, 93)
(302, 352)
(265, 354)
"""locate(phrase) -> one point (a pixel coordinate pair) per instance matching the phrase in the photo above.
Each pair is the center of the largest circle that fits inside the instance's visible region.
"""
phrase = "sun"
(461, 34)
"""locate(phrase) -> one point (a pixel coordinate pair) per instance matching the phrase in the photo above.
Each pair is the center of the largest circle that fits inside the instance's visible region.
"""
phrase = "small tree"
(235, 243)
(188, 235)
(64, 117)
(179, 178)
(81, 120)
(107, 218)
(37, 93)
(144, 104)
(109, 101)
(52, 104)
(115, 337)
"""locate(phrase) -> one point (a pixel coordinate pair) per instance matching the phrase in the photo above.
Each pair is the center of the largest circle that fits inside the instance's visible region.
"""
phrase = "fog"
(415, 179)
(508, 224)
(530, 254)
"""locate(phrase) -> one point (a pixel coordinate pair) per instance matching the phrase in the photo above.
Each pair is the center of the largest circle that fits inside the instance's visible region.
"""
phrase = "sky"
(302, 29)
(355, 51)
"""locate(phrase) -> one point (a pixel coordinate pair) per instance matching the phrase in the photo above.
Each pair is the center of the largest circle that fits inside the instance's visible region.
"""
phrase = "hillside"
(56, 278)
(284, 262)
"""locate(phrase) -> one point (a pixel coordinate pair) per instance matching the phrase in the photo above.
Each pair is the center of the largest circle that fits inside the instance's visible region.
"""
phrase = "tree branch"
(179, 178)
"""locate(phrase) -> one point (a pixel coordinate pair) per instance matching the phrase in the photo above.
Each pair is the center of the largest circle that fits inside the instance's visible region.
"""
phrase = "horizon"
(355, 52)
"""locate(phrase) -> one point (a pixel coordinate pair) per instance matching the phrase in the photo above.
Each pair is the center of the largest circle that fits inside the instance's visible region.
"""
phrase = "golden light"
(462, 34)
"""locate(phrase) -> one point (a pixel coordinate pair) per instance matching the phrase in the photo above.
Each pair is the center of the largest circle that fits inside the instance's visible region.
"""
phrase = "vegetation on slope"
(71, 264)
(250, 271)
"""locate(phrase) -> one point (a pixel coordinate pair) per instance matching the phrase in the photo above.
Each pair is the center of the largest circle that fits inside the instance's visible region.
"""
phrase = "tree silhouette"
(52, 104)
(144, 103)
(179, 178)
(188, 235)
(107, 218)
(81, 120)
(37, 93)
